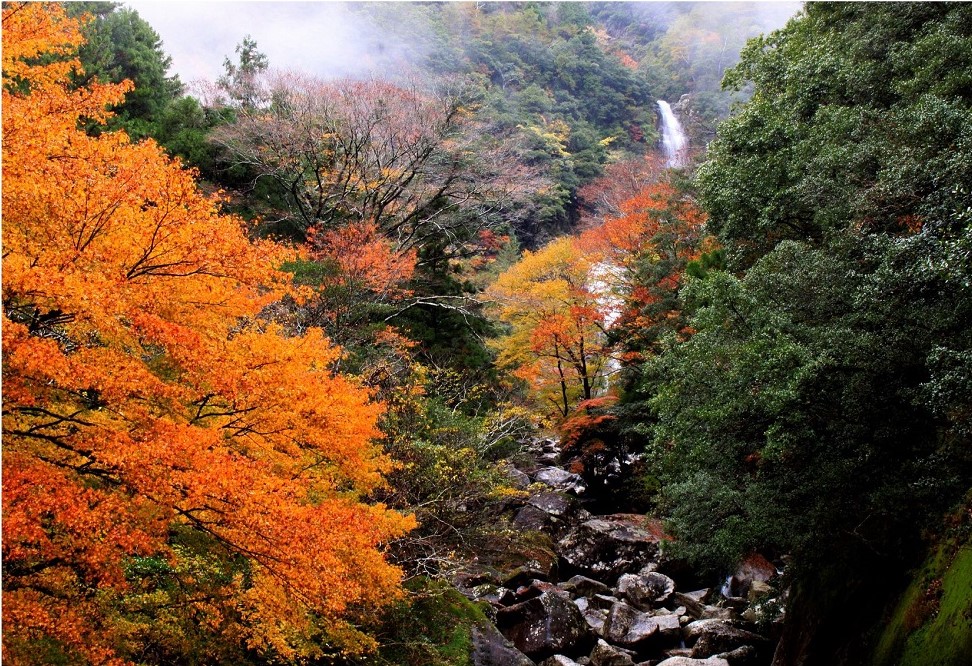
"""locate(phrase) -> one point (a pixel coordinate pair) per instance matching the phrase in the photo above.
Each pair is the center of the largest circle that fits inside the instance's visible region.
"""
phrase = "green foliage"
(852, 122)
(160, 625)
(240, 79)
(793, 420)
(432, 627)
(121, 45)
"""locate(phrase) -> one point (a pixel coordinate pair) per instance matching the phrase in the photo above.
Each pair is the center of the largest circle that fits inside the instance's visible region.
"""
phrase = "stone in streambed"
(545, 625)
(491, 648)
(609, 655)
(606, 547)
(646, 589)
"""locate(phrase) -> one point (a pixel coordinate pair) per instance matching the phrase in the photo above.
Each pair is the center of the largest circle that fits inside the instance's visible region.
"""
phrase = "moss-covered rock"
(932, 622)
(433, 627)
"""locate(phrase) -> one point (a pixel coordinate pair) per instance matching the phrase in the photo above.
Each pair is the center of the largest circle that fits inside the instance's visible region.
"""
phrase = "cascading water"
(604, 274)
(673, 136)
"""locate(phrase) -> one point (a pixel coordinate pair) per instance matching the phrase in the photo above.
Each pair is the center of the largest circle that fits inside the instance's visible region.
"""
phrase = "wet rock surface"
(611, 598)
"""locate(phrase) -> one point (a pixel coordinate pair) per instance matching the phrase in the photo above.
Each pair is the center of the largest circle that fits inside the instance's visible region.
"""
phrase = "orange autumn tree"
(556, 325)
(168, 456)
(357, 276)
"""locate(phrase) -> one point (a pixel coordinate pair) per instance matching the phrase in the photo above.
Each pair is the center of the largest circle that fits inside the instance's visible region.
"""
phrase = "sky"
(323, 38)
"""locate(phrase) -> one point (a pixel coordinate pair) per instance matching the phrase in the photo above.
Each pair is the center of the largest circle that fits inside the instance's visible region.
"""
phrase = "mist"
(357, 39)
(322, 38)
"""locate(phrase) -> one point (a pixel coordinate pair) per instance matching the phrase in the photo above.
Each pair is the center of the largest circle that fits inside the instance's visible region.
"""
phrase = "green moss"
(932, 623)
(432, 628)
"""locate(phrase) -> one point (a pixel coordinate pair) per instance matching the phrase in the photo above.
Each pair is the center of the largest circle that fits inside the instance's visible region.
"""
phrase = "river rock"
(609, 655)
(518, 479)
(533, 589)
(603, 601)
(545, 625)
(606, 547)
(595, 618)
(645, 589)
(493, 594)
(551, 512)
(560, 479)
(559, 660)
(694, 601)
(753, 569)
(718, 613)
(629, 627)
(582, 586)
(491, 648)
(741, 656)
(524, 575)
(688, 661)
(710, 637)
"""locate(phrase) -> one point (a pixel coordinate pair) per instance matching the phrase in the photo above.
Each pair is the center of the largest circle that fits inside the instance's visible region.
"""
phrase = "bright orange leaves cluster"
(143, 396)
(364, 257)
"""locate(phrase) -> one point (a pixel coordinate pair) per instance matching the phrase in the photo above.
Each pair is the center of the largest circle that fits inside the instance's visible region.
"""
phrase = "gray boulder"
(687, 661)
(646, 589)
(491, 648)
(606, 547)
(560, 479)
(609, 655)
(582, 586)
(694, 602)
(518, 479)
(546, 625)
(559, 660)
(711, 637)
(628, 627)
(595, 618)
(551, 512)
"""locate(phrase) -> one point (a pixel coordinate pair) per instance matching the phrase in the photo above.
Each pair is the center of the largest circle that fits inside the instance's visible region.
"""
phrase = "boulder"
(545, 625)
(603, 601)
(559, 660)
(711, 637)
(694, 602)
(533, 589)
(688, 661)
(631, 628)
(560, 479)
(758, 589)
(646, 589)
(604, 548)
(609, 655)
(741, 656)
(524, 575)
(519, 480)
(493, 594)
(552, 512)
(753, 569)
(718, 613)
(669, 627)
(582, 586)
(595, 618)
(491, 648)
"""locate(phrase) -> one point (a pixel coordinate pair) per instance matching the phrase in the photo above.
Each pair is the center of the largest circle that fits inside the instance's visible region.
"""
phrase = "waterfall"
(673, 136)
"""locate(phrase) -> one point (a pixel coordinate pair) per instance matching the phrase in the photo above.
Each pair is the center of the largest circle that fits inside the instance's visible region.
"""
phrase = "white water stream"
(604, 275)
(673, 136)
